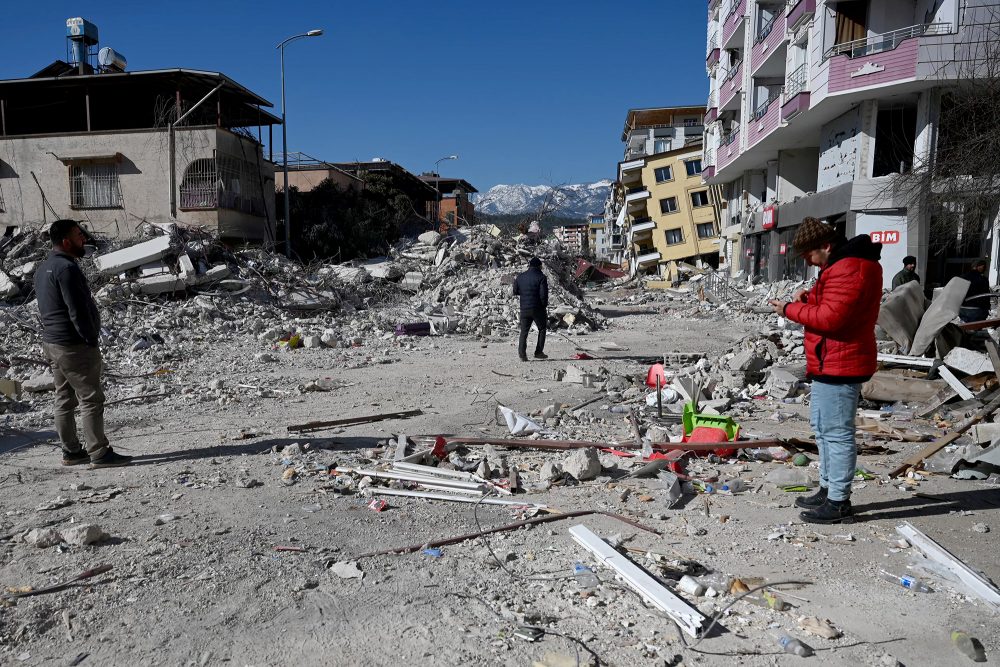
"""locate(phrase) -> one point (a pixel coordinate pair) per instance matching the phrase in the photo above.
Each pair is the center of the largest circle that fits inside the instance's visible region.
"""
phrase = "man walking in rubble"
(907, 274)
(71, 326)
(839, 315)
(533, 288)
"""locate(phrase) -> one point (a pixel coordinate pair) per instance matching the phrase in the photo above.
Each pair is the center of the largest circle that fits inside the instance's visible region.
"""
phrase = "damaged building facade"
(817, 107)
(116, 149)
(663, 214)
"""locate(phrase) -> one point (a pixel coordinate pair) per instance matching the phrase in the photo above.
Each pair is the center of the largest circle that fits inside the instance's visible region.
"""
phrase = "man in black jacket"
(533, 288)
(71, 326)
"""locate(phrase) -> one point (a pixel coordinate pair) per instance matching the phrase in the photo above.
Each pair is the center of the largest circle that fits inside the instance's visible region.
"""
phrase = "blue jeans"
(832, 411)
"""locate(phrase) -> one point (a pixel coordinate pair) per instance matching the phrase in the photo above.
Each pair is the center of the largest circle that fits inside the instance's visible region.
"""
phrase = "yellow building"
(670, 215)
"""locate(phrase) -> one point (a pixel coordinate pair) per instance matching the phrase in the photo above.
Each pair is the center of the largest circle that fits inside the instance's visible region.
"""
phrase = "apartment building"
(574, 238)
(597, 236)
(665, 213)
(816, 107)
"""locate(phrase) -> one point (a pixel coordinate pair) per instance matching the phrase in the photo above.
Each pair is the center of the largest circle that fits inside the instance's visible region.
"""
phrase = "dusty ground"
(209, 587)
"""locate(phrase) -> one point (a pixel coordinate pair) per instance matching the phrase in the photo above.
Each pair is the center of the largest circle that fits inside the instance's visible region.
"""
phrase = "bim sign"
(886, 237)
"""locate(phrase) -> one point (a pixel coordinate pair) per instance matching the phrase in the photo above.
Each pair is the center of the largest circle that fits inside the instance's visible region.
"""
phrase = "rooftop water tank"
(111, 60)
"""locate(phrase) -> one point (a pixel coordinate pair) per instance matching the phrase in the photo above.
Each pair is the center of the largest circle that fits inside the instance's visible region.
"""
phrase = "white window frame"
(670, 172)
(680, 233)
(674, 210)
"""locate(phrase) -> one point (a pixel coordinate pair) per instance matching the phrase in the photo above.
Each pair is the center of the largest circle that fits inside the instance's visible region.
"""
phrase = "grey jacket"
(65, 305)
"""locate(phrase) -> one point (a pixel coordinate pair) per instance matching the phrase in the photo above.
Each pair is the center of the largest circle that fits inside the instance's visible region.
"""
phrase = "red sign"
(886, 237)
(782, 248)
(769, 218)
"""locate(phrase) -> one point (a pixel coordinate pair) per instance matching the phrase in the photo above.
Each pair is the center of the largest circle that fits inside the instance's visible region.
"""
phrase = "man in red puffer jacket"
(839, 315)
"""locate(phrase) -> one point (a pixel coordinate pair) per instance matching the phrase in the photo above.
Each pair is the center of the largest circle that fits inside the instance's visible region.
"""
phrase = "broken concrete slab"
(186, 270)
(574, 374)
(382, 268)
(430, 238)
(890, 387)
(161, 284)
(39, 383)
(582, 464)
(968, 361)
(82, 534)
(782, 382)
(133, 256)
(901, 312)
(157, 268)
(942, 311)
(8, 288)
(216, 273)
(412, 281)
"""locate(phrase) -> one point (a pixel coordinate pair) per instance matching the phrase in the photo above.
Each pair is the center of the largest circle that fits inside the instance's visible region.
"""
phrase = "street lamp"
(284, 133)
(437, 187)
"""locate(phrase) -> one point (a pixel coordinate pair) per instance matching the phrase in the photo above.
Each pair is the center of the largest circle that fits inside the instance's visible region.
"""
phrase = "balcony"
(766, 117)
(630, 169)
(637, 195)
(648, 258)
(731, 85)
(643, 224)
(796, 99)
(708, 164)
(769, 42)
(799, 11)
(878, 60)
(711, 115)
(732, 29)
(729, 149)
(713, 58)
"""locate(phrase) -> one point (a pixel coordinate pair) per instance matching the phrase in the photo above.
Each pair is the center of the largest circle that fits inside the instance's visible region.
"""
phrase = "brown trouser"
(76, 370)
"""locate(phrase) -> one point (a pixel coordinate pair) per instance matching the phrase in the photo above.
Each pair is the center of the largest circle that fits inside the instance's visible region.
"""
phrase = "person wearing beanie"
(839, 315)
(533, 289)
(908, 272)
(976, 306)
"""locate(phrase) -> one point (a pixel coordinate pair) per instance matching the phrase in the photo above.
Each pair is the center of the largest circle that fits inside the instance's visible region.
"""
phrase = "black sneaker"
(813, 501)
(111, 460)
(541, 355)
(75, 458)
(832, 511)
(522, 357)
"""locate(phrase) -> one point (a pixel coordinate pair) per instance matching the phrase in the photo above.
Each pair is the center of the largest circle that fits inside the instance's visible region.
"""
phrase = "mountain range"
(565, 201)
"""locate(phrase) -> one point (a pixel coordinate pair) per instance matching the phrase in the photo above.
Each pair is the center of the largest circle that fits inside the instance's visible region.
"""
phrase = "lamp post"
(437, 187)
(284, 134)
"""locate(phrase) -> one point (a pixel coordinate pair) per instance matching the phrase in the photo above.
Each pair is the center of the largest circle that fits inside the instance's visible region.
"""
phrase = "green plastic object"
(693, 420)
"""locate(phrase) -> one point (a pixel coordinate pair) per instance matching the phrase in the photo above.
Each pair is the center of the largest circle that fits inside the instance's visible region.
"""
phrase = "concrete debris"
(347, 570)
(968, 361)
(39, 383)
(82, 534)
(582, 464)
(8, 288)
(134, 256)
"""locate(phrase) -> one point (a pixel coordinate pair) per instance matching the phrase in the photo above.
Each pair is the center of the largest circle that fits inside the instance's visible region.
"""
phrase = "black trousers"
(539, 317)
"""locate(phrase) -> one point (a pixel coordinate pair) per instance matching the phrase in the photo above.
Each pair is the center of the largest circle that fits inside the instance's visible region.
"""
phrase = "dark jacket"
(978, 285)
(840, 313)
(903, 277)
(65, 305)
(533, 288)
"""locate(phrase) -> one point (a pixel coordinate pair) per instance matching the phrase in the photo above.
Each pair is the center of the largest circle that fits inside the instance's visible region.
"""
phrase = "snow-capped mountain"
(567, 201)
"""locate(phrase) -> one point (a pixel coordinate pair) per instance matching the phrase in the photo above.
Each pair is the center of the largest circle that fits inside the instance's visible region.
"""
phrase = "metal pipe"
(444, 496)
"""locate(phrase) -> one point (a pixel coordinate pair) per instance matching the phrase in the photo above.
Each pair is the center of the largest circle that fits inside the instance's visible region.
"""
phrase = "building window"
(699, 198)
(94, 185)
(692, 122)
(200, 185)
(661, 145)
(706, 230)
(693, 167)
(668, 205)
(664, 174)
(674, 236)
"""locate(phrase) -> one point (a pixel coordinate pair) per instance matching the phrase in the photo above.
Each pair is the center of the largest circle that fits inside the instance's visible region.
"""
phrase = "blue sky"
(524, 92)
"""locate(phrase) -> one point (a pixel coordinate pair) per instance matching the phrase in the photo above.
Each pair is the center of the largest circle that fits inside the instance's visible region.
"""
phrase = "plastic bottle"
(733, 486)
(970, 647)
(794, 646)
(585, 577)
(905, 581)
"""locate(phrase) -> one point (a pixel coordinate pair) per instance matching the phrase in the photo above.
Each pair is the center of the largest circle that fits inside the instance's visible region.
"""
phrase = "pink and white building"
(816, 105)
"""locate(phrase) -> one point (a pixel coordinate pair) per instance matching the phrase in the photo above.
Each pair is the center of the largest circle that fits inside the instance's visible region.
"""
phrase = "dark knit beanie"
(535, 262)
(812, 235)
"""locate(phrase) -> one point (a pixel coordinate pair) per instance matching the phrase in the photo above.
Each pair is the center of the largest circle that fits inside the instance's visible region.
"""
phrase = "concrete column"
(924, 150)
(866, 147)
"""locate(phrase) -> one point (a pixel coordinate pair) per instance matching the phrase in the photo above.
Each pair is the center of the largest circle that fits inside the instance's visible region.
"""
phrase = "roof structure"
(66, 103)
(447, 186)
(658, 117)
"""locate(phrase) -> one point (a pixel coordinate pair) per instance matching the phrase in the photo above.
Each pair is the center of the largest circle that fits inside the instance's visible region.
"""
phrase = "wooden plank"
(583, 444)
(319, 426)
(906, 360)
(982, 324)
(941, 443)
(955, 383)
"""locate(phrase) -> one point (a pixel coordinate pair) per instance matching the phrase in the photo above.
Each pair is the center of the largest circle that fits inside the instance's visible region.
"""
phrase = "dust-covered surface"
(193, 527)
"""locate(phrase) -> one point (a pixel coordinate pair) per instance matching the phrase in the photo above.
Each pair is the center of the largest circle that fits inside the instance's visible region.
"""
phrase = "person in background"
(839, 315)
(908, 272)
(71, 326)
(976, 306)
(533, 289)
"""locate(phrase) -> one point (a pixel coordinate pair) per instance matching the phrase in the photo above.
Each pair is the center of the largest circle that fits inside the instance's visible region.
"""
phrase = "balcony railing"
(729, 137)
(734, 69)
(731, 9)
(797, 81)
(765, 29)
(713, 42)
(639, 221)
(635, 189)
(887, 41)
(710, 157)
(761, 110)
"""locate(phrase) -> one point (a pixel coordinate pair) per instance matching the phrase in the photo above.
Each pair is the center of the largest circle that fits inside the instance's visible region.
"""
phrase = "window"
(661, 145)
(668, 205)
(699, 198)
(706, 230)
(693, 167)
(692, 122)
(200, 185)
(94, 185)
(664, 174)
(674, 236)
